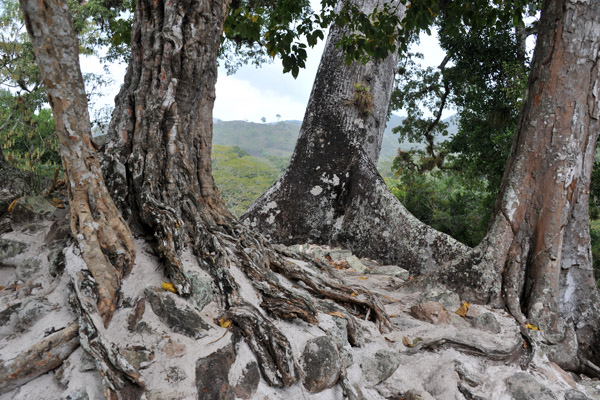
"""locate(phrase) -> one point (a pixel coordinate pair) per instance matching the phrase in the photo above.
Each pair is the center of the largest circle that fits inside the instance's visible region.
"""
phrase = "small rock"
(357, 265)
(486, 322)
(10, 248)
(62, 373)
(339, 254)
(86, 363)
(20, 316)
(59, 233)
(393, 271)
(30, 208)
(27, 268)
(180, 318)
(431, 312)
(381, 366)
(138, 356)
(321, 364)
(175, 374)
(80, 394)
(247, 383)
(416, 395)
(202, 292)
(565, 353)
(212, 374)
(447, 298)
(573, 394)
(173, 349)
(523, 386)
(56, 262)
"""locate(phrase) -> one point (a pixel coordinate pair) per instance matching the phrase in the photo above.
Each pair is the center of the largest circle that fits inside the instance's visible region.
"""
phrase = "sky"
(253, 93)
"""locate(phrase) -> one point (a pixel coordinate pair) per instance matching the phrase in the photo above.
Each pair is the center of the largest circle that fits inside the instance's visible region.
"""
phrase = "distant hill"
(278, 139)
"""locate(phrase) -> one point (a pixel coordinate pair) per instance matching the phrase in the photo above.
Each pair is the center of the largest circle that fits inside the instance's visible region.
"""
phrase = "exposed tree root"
(469, 348)
(271, 347)
(119, 378)
(40, 358)
(230, 244)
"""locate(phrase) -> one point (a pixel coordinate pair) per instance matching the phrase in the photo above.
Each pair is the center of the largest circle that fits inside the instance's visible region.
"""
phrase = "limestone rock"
(357, 265)
(202, 292)
(380, 367)
(573, 394)
(447, 298)
(321, 364)
(180, 318)
(20, 316)
(138, 356)
(486, 322)
(212, 375)
(245, 386)
(56, 262)
(431, 312)
(27, 268)
(10, 248)
(523, 386)
(393, 271)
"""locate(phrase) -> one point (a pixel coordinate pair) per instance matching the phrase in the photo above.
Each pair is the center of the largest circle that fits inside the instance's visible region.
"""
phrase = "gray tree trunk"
(536, 257)
(331, 192)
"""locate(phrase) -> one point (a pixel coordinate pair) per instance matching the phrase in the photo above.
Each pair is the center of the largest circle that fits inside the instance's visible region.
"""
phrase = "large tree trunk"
(536, 256)
(104, 239)
(158, 166)
(332, 193)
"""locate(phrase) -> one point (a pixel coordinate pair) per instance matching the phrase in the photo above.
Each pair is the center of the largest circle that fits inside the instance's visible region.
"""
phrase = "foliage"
(240, 177)
(445, 202)
(28, 139)
(483, 77)
(27, 132)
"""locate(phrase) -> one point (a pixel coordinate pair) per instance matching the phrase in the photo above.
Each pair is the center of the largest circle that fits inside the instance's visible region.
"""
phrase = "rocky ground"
(438, 347)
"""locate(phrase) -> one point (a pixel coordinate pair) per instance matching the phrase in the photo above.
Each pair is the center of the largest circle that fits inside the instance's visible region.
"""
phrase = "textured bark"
(40, 358)
(158, 166)
(104, 239)
(332, 193)
(537, 252)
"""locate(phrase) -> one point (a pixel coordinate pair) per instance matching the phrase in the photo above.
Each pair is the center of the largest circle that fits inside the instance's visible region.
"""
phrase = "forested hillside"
(248, 157)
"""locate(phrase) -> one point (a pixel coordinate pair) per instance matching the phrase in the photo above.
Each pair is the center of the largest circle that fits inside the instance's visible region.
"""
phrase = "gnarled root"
(105, 241)
(40, 358)
(271, 347)
(120, 379)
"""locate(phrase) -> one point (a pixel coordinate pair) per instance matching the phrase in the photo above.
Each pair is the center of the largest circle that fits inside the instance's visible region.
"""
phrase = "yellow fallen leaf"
(13, 204)
(532, 327)
(169, 286)
(462, 310)
(363, 277)
(337, 314)
(406, 341)
(352, 294)
(224, 323)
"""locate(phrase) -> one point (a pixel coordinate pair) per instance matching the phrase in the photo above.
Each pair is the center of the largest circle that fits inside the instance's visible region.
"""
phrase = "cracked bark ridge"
(104, 239)
(158, 163)
(332, 193)
(536, 256)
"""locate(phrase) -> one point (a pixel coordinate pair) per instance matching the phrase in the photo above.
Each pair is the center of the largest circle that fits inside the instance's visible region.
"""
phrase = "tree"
(536, 256)
(158, 169)
(103, 236)
(331, 192)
